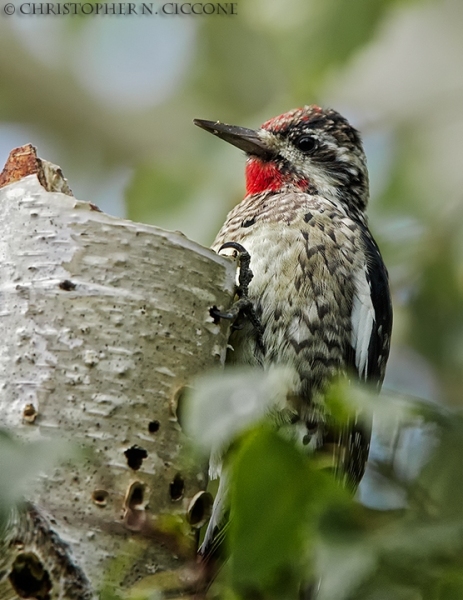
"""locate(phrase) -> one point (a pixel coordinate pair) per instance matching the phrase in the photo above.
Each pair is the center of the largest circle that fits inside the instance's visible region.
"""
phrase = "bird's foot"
(243, 307)
(244, 261)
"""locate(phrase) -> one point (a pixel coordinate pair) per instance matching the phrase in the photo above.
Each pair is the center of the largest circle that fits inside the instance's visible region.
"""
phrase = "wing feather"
(362, 322)
(371, 324)
(371, 316)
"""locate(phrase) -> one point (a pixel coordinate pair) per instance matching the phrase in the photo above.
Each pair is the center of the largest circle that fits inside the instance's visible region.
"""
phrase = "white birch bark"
(102, 322)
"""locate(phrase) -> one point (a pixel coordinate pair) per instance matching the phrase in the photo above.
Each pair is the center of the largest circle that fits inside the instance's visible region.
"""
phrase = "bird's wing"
(371, 321)
(371, 316)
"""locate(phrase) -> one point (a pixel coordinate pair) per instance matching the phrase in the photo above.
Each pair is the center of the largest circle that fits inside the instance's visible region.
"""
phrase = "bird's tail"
(212, 544)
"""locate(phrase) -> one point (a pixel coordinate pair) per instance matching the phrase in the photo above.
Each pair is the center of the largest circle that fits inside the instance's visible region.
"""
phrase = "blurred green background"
(111, 100)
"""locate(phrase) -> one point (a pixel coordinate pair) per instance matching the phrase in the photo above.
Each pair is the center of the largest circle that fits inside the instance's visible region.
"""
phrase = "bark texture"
(103, 322)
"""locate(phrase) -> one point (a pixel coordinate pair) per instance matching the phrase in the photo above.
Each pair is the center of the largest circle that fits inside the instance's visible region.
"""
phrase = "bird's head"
(311, 149)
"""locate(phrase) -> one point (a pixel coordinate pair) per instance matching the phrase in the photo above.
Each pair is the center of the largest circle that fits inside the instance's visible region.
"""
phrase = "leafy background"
(111, 99)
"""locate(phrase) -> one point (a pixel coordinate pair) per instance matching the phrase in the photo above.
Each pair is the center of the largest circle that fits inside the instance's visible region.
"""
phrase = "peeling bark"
(103, 322)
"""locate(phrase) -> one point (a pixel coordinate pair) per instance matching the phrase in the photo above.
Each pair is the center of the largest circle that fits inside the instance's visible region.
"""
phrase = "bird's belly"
(302, 295)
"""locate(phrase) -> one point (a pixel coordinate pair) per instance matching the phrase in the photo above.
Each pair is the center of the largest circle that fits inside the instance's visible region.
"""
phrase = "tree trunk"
(103, 322)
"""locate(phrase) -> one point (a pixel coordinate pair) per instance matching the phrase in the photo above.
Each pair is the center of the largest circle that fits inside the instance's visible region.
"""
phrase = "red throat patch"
(262, 177)
(266, 177)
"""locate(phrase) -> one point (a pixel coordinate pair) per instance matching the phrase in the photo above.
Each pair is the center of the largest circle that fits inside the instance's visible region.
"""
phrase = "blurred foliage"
(21, 463)
(156, 189)
(292, 522)
(274, 491)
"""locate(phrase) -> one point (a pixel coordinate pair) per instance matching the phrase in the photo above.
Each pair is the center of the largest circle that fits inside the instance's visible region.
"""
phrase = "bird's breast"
(302, 291)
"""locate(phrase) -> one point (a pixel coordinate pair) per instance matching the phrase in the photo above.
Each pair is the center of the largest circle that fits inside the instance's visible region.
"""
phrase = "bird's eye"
(306, 144)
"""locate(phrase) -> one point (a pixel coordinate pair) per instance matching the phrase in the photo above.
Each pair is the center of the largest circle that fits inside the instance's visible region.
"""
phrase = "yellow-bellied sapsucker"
(319, 287)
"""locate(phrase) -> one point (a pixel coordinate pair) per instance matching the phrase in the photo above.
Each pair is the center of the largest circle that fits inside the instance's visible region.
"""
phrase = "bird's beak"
(245, 139)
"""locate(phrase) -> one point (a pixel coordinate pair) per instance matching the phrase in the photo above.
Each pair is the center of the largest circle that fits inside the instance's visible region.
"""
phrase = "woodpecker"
(319, 288)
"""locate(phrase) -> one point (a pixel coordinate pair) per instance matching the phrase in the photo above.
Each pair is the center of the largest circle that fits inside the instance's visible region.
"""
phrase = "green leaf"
(222, 405)
(275, 498)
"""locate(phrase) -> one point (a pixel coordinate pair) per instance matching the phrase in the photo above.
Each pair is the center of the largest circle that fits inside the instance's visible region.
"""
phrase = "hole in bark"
(29, 413)
(67, 285)
(177, 488)
(100, 497)
(135, 456)
(135, 495)
(153, 426)
(200, 509)
(135, 513)
(29, 578)
(178, 403)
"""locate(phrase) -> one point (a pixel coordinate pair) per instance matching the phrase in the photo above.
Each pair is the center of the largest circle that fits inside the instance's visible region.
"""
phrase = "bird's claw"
(243, 306)
(217, 314)
(240, 306)
(244, 258)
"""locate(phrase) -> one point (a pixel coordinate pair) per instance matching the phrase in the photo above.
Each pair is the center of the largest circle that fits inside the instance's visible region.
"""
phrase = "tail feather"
(212, 544)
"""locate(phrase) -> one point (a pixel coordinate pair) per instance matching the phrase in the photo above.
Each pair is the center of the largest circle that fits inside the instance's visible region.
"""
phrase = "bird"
(317, 287)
